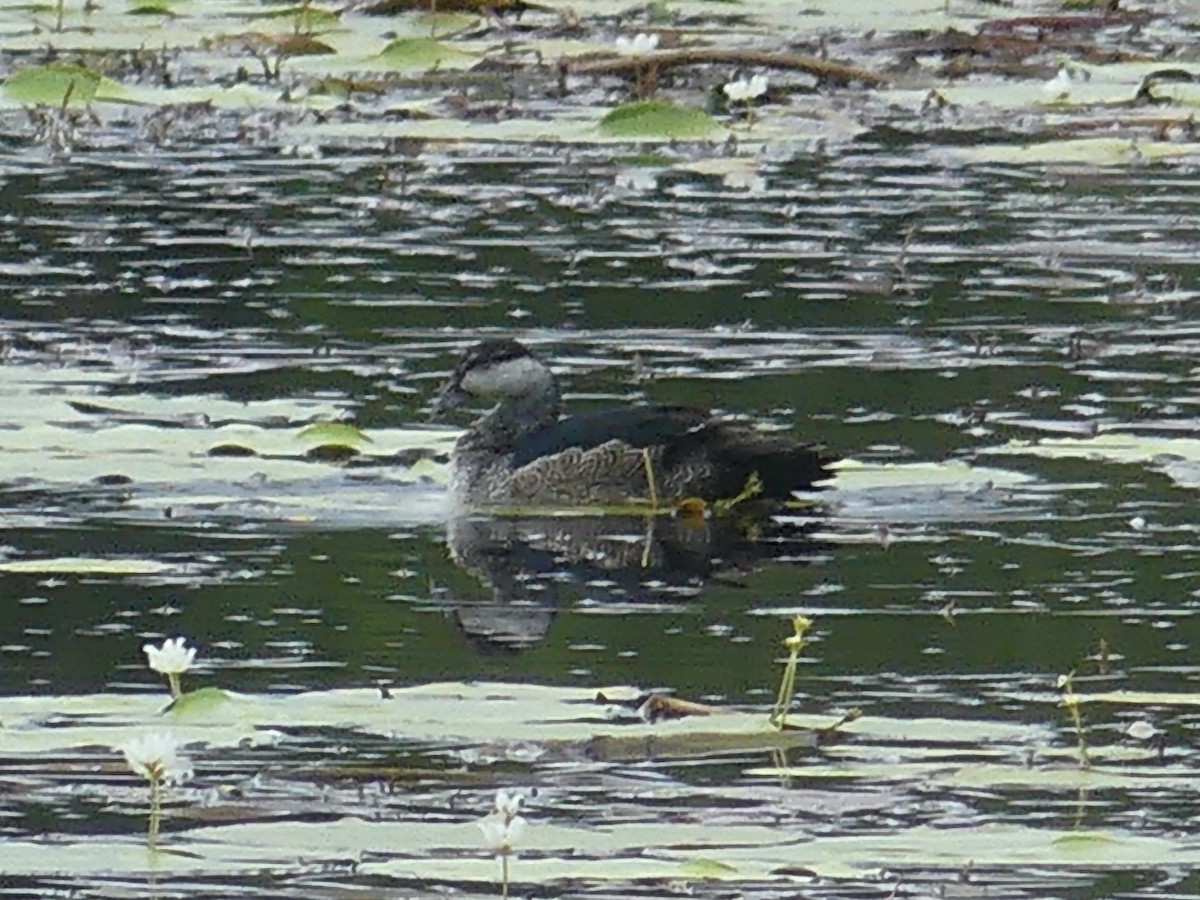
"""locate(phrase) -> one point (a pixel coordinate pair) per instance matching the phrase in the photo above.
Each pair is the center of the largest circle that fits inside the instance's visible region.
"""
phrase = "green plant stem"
(155, 813)
(651, 487)
(504, 876)
(787, 692)
(173, 681)
(751, 489)
(1071, 702)
(787, 684)
(648, 542)
(1085, 760)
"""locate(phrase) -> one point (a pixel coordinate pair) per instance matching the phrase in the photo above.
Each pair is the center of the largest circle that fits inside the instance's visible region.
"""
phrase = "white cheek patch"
(514, 376)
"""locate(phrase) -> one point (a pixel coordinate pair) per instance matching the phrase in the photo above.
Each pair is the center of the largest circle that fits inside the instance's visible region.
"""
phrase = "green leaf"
(1092, 151)
(153, 8)
(331, 453)
(646, 160)
(421, 53)
(659, 13)
(1083, 838)
(708, 869)
(305, 17)
(53, 84)
(336, 434)
(658, 118)
(231, 450)
(198, 703)
(87, 565)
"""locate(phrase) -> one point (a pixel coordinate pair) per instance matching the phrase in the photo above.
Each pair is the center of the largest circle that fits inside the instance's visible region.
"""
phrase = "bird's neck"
(517, 416)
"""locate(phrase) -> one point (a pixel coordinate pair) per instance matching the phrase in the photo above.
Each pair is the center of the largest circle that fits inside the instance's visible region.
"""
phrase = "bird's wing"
(638, 427)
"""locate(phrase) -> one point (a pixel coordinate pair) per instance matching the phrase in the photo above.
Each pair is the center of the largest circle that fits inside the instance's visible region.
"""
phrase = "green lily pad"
(53, 85)
(334, 434)
(657, 119)
(72, 565)
(199, 703)
(435, 23)
(707, 869)
(423, 54)
(1100, 151)
(306, 18)
(153, 8)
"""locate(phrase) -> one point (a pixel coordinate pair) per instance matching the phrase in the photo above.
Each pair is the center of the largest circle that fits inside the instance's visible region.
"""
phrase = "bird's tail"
(782, 468)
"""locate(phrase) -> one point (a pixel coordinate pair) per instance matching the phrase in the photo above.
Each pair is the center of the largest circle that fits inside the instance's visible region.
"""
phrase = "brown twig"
(822, 69)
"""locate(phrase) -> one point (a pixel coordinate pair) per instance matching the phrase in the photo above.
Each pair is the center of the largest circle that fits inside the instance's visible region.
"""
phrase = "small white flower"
(1142, 731)
(1060, 84)
(155, 756)
(502, 833)
(638, 45)
(744, 90)
(508, 803)
(637, 178)
(751, 182)
(172, 658)
(1137, 523)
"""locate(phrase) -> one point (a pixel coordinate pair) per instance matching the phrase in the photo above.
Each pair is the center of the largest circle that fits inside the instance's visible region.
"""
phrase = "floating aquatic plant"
(744, 90)
(156, 757)
(172, 659)
(502, 829)
(751, 489)
(638, 45)
(787, 685)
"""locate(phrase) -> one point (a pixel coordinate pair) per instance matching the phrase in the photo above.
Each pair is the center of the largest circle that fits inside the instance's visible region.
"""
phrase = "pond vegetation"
(244, 241)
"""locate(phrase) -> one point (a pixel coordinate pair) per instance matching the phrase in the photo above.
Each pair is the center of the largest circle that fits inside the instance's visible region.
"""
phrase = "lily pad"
(1177, 457)
(335, 434)
(658, 119)
(53, 85)
(153, 8)
(78, 565)
(199, 703)
(423, 54)
(304, 17)
(1101, 151)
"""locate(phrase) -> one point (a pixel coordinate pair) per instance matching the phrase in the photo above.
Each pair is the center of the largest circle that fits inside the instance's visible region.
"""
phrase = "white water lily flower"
(744, 90)
(502, 833)
(155, 756)
(508, 803)
(1060, 84)
(172, 658)
(1142, 731)
(638, 45)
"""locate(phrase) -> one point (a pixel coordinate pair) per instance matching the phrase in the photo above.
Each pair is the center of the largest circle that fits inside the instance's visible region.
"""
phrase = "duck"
(525, 452)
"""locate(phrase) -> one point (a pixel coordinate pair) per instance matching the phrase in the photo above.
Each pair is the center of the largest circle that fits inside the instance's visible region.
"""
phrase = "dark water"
(902, 313)
(896, 312)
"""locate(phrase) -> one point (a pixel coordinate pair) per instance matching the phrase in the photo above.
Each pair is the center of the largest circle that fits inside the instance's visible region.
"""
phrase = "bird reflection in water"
(533, 566)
